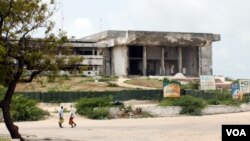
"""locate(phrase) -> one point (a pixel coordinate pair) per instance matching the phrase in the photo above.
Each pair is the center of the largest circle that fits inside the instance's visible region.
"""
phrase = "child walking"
(72, 116)
(61, 120)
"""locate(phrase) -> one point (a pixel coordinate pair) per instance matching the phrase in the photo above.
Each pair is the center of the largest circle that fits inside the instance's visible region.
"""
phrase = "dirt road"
(183, 128)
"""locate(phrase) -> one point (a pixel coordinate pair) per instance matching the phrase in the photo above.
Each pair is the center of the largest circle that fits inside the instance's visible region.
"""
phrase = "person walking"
(72, 116)
(61, 120)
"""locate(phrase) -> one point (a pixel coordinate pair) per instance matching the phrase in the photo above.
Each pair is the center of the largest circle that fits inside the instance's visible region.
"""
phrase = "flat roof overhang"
(112, 38)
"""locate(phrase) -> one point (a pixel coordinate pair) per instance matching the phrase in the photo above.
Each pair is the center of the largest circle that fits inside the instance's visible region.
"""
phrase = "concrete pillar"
(144, 62)
(200, 61)
(205, 59)
(180, 59)
(120, 59)
(162, 61)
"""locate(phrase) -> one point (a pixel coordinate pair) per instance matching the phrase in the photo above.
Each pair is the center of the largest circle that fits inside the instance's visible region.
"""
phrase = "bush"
(191, 85)
(2, 92)
(99, 113)
(190, 105)
(213, 101)
(169, 101)
(168, 80)
(24, 109)
(224, 98)
(94, 102)
(95, 108)
(211, 94)
(231, 102)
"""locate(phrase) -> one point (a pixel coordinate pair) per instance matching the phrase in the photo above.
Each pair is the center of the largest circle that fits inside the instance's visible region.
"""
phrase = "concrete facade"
(120, 58)
(150, 53)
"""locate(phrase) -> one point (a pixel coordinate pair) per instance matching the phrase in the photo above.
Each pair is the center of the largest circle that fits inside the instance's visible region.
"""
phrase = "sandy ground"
(121, 80)
(181, 128)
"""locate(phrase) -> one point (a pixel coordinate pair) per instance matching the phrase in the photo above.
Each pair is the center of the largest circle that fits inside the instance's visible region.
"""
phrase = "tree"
(22, 57)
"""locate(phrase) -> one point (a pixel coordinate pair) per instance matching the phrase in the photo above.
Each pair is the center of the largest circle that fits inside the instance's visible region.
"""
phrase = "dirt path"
(120, 82)
(182, 128)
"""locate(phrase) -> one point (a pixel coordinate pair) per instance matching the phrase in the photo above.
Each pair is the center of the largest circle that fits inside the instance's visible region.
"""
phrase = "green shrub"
(2, 92)
(99, 113)
(95, 108)
(211, 94)
(145, 114)
(214, 101)
(231, 102)
(168, 101)
(228, 101)
(94, 102)
(246, 98)
(190, 105)
(224, 98)
(24, 109)
(191, 85)
(168, 80)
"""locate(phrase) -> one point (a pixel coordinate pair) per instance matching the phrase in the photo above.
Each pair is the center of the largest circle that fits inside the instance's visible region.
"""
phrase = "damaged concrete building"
(124, 53)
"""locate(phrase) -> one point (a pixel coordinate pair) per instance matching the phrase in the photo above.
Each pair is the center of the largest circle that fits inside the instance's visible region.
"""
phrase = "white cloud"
(80, 27)
(81, 24)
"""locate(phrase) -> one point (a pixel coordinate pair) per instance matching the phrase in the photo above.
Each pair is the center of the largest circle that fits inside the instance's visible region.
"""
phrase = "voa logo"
(236, 132)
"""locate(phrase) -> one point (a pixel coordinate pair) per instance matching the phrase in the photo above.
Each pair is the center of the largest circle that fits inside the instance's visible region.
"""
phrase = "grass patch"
(190, 105)
(94, 108)
(7, 138)
(87, 79)
(191, 85)
(154, 83)
(112, 84)
(53, 89)
(108, 78)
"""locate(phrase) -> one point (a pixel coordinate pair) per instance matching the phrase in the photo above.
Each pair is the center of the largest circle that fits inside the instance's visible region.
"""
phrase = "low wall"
(222, 109)
(161, 111)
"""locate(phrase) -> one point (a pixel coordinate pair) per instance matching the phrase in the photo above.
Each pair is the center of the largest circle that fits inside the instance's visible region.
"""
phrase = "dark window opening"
(135, 51)
(135, 67)
(80, 51)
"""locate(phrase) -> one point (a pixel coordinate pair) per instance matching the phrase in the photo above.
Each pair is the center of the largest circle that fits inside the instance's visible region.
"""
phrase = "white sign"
(207, 82)
(244, 85)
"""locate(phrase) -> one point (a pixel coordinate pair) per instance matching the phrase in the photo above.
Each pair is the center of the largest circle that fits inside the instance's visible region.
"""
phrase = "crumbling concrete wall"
(115, 38)
(120, 60)
(169, 40)
(153, 53)
(190, 61)
(205, 58)
(107, 61)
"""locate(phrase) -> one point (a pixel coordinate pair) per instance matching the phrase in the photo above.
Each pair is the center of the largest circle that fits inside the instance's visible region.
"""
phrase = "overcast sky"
(229, 18)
